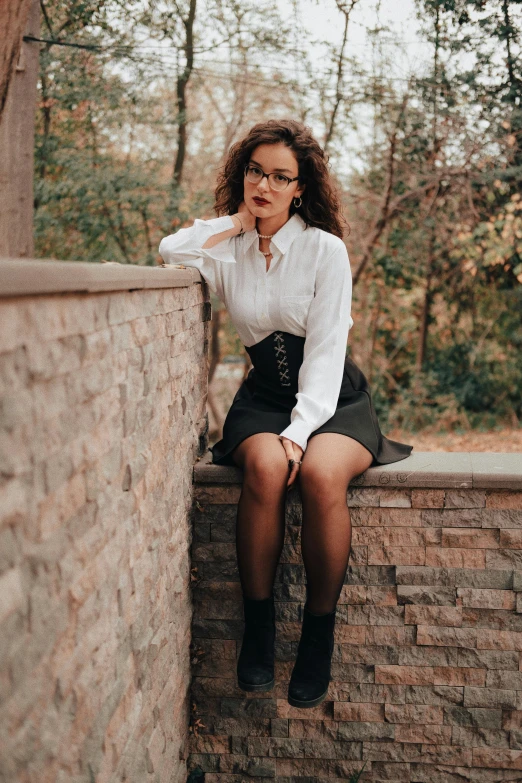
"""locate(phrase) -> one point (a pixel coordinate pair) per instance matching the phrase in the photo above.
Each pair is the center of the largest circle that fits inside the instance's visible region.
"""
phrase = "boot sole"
(245, 686)
(306, 704)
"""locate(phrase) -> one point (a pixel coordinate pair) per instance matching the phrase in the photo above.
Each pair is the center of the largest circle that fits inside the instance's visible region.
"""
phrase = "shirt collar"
(283, 238)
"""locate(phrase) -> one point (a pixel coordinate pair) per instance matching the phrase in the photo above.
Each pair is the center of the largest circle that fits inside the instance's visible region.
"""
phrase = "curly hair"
(321, 204)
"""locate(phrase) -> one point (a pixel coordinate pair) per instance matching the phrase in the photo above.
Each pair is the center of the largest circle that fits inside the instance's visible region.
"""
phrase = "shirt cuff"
(299, 432)
(218, 224)
(221, 251)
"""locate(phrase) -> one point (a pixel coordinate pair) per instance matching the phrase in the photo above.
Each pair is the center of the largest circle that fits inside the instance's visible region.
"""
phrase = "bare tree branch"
(382, 219)
(340, 62)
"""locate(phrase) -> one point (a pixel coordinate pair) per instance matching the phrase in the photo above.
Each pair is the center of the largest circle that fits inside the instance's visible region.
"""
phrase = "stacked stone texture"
(427, 669)
(103, 401)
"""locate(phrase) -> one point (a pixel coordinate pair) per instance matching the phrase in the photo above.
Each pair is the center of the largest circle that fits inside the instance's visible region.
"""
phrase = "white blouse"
(307, 291)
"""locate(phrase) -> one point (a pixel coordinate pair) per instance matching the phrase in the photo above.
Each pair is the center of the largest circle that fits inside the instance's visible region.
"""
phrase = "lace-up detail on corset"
(281, 359)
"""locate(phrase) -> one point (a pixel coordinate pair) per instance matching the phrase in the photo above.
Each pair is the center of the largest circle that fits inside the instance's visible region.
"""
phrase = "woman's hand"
(295, 452)
(247, 218)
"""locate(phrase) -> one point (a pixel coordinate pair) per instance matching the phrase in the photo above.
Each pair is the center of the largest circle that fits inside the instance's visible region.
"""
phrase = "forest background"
(139, 101)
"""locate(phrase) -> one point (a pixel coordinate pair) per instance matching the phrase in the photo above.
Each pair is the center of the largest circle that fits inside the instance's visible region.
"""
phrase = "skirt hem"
(227, 455)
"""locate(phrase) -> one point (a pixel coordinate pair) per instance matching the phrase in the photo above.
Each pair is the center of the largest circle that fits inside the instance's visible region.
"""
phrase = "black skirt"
(266, 397)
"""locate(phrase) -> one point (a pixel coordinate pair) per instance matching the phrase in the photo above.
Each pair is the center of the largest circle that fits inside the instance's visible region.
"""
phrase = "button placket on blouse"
(269, 280)
(265, 308)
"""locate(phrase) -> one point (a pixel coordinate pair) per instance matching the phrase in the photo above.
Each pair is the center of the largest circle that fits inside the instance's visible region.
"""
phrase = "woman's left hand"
(295, 452)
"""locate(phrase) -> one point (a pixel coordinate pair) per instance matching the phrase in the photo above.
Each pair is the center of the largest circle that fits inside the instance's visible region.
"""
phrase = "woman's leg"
(261, 512)
(330, 462)
(259, 538)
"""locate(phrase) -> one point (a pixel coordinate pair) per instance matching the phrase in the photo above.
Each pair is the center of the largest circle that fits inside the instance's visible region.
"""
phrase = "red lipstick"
(260, 201)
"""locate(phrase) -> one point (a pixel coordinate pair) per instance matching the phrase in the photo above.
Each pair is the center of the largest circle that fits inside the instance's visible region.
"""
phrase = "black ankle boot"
(311, 674)
(255, 666)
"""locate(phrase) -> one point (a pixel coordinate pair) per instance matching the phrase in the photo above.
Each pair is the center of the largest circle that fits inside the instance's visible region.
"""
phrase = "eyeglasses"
(275, 180)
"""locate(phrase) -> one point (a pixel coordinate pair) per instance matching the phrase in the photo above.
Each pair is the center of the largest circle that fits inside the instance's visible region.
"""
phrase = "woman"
(276, 259)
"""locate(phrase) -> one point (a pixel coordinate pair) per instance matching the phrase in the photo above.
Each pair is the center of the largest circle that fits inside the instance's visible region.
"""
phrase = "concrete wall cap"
(27, 277)
(449, 470)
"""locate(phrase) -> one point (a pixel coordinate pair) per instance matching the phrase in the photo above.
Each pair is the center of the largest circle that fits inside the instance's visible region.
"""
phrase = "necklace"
(265, 236)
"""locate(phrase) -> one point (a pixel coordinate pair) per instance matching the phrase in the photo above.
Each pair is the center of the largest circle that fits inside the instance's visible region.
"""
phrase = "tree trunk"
(514, 89)
(13, 19)
(17, 149)
(425, 314)
(436, 144)
(181, 90)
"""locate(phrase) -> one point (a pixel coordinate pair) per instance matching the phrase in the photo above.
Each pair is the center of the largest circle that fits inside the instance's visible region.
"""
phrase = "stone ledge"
(437, 469)
(26, 277)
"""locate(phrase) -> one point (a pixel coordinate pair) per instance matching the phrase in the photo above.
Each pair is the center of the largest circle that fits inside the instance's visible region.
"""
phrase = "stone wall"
(102, 416)
(427, 672)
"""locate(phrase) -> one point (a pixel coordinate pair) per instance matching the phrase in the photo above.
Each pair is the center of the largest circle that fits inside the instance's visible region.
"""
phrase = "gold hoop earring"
(300, 202)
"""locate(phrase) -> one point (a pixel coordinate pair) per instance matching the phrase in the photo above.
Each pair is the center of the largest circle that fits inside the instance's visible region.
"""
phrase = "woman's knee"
(321, 480)
(326, 479)
(334, 459)
(265, 471)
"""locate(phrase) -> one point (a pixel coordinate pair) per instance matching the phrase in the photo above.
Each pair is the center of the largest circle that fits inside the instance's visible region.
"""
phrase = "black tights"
(326, 528)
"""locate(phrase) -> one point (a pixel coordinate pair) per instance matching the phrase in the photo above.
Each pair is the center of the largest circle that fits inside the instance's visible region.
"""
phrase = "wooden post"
(17, 148)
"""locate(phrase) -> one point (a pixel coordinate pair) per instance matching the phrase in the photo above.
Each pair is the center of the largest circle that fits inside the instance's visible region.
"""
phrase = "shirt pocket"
(295, 309)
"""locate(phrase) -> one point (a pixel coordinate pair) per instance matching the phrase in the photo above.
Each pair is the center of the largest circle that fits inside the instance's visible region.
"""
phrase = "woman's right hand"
(248, 220)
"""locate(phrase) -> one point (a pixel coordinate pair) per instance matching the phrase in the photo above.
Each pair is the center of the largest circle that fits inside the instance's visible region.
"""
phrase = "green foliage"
(421, 406)
(102, 211)
(448, 251)
(461, 388)
(357, 775)
(484, 384)
(102, 192)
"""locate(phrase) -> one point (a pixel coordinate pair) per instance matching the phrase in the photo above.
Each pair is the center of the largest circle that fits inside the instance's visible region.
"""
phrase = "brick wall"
(102, 416)
(427, 671)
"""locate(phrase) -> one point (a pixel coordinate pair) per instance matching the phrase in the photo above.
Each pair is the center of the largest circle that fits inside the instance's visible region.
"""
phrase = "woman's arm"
(205, 239)
(206, 244)
(236, 229)
(321, 372)
(243, 219)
